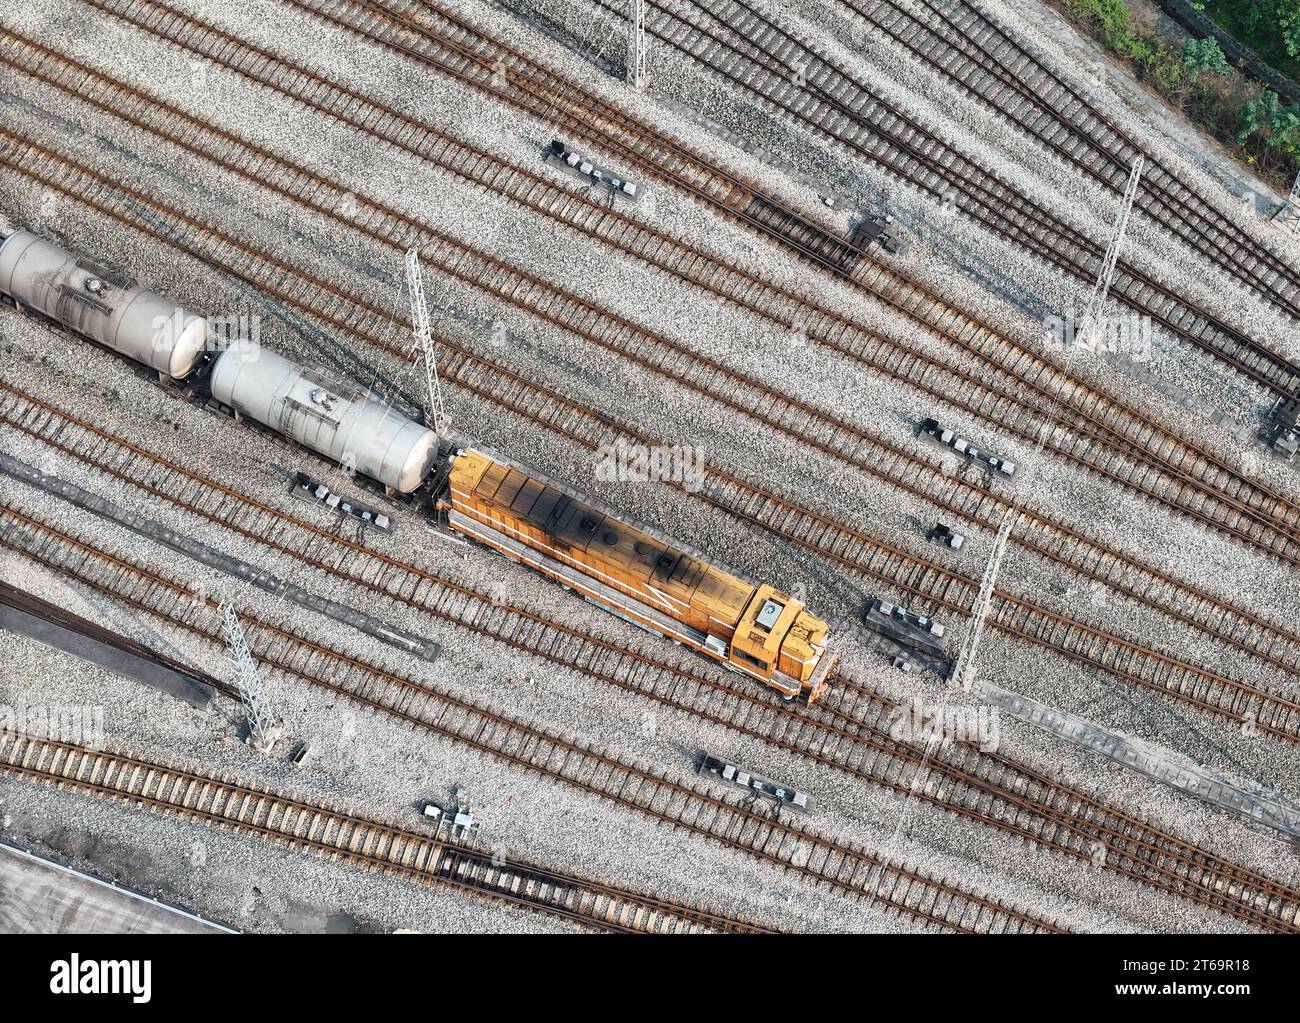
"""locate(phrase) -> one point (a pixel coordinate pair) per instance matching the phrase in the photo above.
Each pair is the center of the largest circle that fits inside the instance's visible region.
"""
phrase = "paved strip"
(1247, 798)
(28, 615)
(40, 896)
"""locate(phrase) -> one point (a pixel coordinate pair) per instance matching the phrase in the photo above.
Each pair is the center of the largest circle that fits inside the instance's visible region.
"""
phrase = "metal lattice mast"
(963, 675)
(246, 678)
(636, 60)
(1101, 290)
(1289, 215)
(424, 337)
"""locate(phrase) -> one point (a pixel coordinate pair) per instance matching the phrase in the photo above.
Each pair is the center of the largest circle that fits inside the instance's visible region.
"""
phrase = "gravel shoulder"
(366, 760)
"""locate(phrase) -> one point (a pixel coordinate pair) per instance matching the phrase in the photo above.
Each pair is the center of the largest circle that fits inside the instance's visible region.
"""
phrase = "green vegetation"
(1269, 27)
(1203, 56)
(1197, 79)
(1265, 119)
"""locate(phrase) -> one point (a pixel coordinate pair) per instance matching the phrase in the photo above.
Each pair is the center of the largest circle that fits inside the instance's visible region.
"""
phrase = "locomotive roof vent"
(769, 613)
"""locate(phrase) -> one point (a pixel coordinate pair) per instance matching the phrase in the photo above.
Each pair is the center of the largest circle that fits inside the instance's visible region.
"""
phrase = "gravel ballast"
(386, 769)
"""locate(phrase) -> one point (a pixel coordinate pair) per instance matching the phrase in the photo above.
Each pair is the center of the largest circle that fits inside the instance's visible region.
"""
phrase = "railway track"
(760, 57)
(337, 834)
(824, 860)
(851, 733)
(969, 48)
(430, 34)
(962, 775)
(866, 451)
(1273, 713)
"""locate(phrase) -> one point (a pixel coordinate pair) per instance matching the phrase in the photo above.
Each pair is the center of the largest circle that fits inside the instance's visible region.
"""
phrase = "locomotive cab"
(777, 638)
(757, 643)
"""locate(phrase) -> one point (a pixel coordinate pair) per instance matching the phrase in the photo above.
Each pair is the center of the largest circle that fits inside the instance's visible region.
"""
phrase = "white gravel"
(370, 761)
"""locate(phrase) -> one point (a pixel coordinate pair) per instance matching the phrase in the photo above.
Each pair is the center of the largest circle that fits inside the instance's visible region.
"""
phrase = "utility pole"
(263, 731)
(1288, 216)
(424, 338)
(963, 676)
(1101, 290)
(636, 59)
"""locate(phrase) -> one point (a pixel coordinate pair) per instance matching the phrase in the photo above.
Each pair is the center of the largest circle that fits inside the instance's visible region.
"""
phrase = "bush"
(1135, 48)
(1204, 57)
(1113, 16)
(1276, 125)
(1169, 72)
(1272, 26)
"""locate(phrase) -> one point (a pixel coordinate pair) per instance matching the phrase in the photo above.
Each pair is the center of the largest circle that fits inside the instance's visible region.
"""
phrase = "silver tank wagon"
(340, 420)
(73, 291)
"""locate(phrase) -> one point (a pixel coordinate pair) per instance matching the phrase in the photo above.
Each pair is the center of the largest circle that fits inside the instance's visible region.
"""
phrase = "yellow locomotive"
(645, 578)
